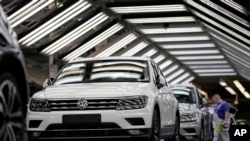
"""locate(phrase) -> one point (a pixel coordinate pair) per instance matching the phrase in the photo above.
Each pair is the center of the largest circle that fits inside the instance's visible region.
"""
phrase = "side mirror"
(158, 82)
(203, 102)
(48, 82)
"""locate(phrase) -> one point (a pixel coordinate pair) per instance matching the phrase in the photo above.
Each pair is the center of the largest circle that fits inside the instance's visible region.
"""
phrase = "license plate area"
(82, 119)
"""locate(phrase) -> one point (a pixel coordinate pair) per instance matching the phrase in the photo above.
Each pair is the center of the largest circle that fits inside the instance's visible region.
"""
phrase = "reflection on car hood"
(187, 107)
(93, 90)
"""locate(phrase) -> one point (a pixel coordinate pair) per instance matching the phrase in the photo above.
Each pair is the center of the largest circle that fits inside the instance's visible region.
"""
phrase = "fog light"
(135, 132)
(36, 134)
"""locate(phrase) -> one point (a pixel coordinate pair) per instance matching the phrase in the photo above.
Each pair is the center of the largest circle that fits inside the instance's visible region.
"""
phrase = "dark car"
(13, 85)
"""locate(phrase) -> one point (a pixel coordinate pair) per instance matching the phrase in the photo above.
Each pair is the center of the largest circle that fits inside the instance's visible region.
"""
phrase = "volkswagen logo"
(82, 103)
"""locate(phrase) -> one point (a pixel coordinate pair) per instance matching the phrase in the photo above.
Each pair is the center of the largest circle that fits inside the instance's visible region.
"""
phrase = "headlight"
(188, 117)
(134, 102)
(39, 105)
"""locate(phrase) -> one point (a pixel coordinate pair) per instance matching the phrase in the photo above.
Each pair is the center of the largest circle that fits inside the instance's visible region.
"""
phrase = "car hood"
(93, 90)
(187, 107)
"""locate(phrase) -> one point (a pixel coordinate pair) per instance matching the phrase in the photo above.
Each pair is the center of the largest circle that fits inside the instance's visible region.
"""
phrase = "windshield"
(104, 71)
(184, 95)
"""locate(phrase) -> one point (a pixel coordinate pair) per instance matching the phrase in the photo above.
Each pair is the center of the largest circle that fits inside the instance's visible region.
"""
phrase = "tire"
(201, 137)
(12, 126)
(156, 125)
(176, 136)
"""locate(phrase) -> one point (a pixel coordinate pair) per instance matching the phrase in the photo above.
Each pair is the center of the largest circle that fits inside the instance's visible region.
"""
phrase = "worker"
(221, 119)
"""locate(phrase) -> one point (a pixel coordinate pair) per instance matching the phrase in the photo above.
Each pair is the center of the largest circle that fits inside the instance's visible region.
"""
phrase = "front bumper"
(190, 130)
(114, 124)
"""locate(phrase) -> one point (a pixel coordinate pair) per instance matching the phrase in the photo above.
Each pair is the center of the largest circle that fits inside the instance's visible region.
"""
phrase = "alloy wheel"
(11, 123)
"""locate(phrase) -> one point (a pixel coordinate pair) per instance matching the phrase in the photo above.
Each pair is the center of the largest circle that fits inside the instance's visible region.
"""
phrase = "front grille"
(93, 104)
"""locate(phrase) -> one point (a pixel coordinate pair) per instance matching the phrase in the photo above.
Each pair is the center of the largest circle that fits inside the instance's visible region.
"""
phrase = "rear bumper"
(89, 134)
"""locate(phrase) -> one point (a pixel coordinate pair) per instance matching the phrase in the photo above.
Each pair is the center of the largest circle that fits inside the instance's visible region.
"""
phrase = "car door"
(164, 99)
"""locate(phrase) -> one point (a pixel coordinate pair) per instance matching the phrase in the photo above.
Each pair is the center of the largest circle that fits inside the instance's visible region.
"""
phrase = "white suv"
(115, 97)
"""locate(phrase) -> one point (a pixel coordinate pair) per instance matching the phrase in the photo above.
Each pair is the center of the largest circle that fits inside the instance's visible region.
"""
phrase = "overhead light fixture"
(225, 12)
(159, 58)
(228, 40)
(174, 75)
(176, 39)
(54, 23)
(75, 34)
(209, 66)
(162, 20)
(190, 52)
(149, 53)
(93, 42)
(241, 88)
(165, 64)
(188, 80)
(180, 78)
(204, 57)
(172, 30)
(230, 90)
(29, 10)
(149, 9)
(218, 17)
(187, 45)
(117, 46)
(222, 27)
(135, 49)
(205, 62)
(213, 70)
(171, 69)
(235, 5)
(222, 83)
(217, 74)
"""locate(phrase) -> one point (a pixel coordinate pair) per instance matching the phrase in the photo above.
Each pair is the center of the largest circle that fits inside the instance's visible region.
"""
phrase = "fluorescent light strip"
(213, 70)
(75, 34)
(21, 10)
(95, 41)
(205, 62)
(229, 38)
(241, 88)
(190, 52)
(159, 58)
(209, 66)
(218, 17)
(172, 30)
(147, 9)
(165, 64)
(187, 46)
(180, 78)
(222, 27)
(234, 5)
(200, 57)
(225, 12)
(162, 20)
(174, 75)
(150, 53)
(230, 90)
(117, 46)
(188, 80)
(237, 58)
(217, 74)
(54, 23)
(171, 69)
(175, 39)
(29, 12)
(135, 49)
(222, 83)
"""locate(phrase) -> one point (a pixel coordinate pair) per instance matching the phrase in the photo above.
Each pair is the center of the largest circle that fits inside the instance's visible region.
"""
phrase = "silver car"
(196, 121)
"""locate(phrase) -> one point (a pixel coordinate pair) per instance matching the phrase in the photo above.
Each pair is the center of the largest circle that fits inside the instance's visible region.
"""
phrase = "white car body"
(51, 123)
(196, 121)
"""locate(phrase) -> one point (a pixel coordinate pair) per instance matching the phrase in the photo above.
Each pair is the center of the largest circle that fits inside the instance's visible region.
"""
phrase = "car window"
(104, 71)
(184, 95)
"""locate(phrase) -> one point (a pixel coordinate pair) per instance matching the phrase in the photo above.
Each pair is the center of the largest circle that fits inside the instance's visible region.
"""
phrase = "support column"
(53, 67)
